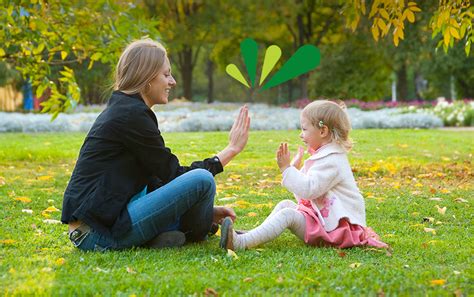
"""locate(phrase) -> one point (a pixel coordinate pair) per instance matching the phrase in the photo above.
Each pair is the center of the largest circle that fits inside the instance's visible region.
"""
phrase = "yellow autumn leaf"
(2, 181)
(23, 199)
(438, 282)
(410, 15)
(7, 241)
(355, 265)
(60, 261)
(252, 214)
(445, 191)
(232, 254)
(63, 55)
(454, 32)
(51, 209)
(2, 52)
(45, 177)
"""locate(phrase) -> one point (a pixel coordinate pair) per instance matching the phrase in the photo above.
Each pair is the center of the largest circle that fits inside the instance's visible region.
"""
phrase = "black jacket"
(122, 153)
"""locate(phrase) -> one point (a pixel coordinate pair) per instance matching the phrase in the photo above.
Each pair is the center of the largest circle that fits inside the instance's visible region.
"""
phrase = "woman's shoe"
(227, 234)
(167, 239)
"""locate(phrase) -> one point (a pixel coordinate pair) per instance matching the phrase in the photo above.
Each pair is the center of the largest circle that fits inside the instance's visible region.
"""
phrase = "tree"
(452, 19)
(41, 39)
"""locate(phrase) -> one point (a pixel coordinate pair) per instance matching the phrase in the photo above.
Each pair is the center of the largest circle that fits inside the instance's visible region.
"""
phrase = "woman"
(127, 188)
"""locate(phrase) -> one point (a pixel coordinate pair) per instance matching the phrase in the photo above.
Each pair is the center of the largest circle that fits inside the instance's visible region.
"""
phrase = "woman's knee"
(204, 178)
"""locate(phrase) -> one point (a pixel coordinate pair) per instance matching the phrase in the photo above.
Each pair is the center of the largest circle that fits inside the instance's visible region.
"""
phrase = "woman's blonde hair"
(332, 115)
(139, 63)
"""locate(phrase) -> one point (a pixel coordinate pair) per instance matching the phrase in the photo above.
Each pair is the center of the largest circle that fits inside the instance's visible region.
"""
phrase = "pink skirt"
(346, 235)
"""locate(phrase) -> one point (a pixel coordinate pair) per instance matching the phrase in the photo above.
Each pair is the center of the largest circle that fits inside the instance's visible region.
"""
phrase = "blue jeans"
(185, 204)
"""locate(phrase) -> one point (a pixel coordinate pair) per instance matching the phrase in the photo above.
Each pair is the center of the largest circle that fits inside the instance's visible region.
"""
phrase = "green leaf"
(96, 56)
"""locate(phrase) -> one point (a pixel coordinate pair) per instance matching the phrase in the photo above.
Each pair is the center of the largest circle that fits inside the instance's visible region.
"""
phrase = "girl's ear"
(324, 131)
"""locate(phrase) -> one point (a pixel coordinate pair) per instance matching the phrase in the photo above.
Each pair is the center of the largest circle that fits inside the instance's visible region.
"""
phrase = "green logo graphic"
(304, 60)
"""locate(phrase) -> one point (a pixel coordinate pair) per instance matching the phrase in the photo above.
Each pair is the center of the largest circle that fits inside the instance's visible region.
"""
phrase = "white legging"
(284, 216)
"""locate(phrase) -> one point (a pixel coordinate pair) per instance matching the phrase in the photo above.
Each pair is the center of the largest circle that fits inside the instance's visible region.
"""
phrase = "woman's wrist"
(227, 154)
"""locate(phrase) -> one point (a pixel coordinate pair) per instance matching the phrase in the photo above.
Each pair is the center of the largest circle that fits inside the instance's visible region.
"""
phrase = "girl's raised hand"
(298, 158)
(283, 156)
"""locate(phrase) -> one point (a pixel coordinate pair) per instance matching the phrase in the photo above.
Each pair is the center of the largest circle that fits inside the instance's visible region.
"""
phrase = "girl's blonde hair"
(139, 63)
(332, 115)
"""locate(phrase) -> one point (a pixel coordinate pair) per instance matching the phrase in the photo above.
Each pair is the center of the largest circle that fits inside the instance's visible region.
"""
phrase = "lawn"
(418, 186)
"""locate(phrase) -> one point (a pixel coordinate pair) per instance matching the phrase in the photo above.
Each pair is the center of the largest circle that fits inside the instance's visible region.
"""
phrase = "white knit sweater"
(326, 180)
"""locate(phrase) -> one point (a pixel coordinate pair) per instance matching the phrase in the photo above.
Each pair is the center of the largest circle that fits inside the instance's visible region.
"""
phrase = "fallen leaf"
(7, 241)
(227, 199)
(2, 181)
(428, 219)
(431, 230)
(28, 211)
(252, 214)
(342, 254)
(438, 282)
(441, 210)
(130, 270)
(460, 200)
(210, 292)
(232, 254)
(51, 209)
(50, 221)
(436, 199)
(456, 272)
(47, 269)
(445, 191)
(355, 265)
(60, 261)
(248, 280)
(279, 279)
(45, 177)
(23, 199)
(12, 270)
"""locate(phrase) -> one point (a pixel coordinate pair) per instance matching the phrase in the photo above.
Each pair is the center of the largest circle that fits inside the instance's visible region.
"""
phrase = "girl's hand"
(283, 157)
(239, 134)
(296, 162)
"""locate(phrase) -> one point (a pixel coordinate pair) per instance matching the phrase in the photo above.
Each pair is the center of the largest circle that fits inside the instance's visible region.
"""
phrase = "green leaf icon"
(272, 55)
(234, 71)
(304, 60)
(249, 50)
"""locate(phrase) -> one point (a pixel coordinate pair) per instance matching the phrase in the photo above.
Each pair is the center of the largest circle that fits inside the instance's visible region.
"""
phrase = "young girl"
(330, 209)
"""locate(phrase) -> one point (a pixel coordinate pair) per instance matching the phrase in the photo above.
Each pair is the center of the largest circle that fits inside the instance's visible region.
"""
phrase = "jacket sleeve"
(143, 138)
(319, 180)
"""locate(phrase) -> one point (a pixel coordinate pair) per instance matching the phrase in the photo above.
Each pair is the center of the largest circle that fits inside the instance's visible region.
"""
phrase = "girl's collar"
(327, 149)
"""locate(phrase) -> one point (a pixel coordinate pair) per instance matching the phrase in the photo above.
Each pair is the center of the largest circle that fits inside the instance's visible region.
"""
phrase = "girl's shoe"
(227, 234)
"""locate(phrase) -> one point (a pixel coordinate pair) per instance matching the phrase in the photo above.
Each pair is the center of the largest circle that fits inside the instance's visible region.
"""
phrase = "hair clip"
(321, 124)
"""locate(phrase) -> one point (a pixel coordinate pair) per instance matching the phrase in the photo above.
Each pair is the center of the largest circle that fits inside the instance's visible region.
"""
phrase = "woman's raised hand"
(238, 137)
(239, 134)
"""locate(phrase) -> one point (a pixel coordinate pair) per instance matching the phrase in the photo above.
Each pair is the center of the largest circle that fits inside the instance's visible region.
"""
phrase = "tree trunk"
(210, 81)
(290, 91)
(186, 70)
(402, 83)
(304, 85)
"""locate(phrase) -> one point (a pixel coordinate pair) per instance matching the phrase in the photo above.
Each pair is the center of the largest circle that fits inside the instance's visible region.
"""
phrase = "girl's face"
(313, 137)
(160, 86)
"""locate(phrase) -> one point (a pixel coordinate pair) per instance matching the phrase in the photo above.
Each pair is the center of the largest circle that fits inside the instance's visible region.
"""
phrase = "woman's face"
(160, 86)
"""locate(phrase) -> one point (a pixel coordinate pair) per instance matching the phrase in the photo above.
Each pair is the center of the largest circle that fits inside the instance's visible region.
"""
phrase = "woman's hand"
(298, 158)
(220, 212)
(238, 136)
(283, 157)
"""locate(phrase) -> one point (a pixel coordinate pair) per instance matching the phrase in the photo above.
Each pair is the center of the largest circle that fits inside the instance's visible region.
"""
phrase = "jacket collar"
(136, 95)
(325, 150)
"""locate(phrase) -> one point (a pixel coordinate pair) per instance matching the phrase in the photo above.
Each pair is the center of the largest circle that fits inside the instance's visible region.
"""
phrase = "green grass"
(398, 171)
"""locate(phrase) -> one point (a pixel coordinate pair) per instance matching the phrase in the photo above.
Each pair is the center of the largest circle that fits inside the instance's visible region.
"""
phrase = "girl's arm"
(319, 180)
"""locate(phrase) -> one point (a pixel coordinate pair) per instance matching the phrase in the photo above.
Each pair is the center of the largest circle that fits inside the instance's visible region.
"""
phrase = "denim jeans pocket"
(77, 236)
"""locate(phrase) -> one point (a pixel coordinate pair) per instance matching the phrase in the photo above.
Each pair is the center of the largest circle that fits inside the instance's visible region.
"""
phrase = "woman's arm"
(238, 136)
